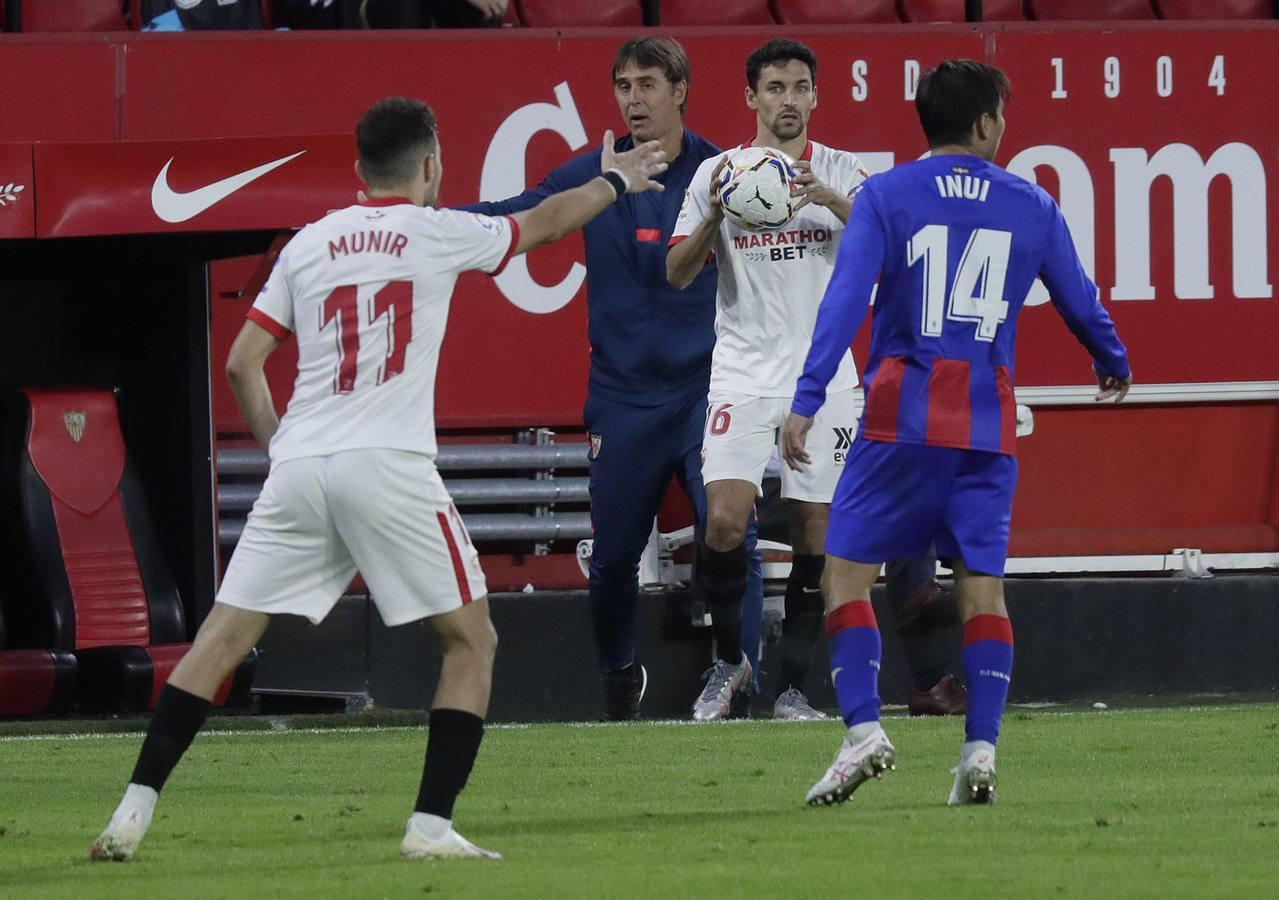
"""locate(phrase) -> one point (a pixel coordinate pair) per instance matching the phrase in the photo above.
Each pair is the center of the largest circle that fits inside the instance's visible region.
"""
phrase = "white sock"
(137, 797)
(433, 828)
(861, 731)
(971, 748)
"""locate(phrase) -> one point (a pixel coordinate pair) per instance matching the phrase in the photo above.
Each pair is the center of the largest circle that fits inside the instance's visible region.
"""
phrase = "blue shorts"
(895, 501)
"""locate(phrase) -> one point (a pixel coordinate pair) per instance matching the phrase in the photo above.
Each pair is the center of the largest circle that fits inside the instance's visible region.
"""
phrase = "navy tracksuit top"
(650, 343)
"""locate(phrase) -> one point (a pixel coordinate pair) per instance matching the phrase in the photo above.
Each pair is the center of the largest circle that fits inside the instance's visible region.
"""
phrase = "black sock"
(451, 745)
(177, 719)
(721, 574)
(802, 626)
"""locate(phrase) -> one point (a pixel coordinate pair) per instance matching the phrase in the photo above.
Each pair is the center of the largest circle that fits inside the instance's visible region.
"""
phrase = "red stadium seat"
(1003, 11)
(1215, 9)
(90, 576)
(723, 12)
(1090, 10)
(575, 13)
(73, 15)
(836, 12)
(933, 10)
(35, 681)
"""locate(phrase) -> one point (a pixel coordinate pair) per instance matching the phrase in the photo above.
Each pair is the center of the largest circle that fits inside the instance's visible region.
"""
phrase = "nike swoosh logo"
(811, 590)
(172, 206)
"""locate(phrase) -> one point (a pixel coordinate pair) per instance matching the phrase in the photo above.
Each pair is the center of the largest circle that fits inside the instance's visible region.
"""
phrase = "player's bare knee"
(724, 529)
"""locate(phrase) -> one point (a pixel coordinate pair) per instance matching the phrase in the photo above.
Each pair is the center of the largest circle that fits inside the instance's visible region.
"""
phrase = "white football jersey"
(367, 289)
(771, 282)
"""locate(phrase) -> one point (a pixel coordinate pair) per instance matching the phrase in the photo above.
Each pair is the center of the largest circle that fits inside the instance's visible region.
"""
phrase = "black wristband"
(616, 182)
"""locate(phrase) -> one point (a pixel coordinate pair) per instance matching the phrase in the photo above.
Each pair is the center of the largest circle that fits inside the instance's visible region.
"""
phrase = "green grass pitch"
(1142, 803)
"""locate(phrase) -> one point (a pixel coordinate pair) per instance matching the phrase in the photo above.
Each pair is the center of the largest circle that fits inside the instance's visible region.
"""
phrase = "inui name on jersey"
(391, 243)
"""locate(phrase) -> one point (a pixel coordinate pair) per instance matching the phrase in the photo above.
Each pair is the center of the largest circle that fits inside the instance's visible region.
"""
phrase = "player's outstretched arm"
(1078, 302)
(245, 370)
(687, 258)
(566, 212)
(844, 306)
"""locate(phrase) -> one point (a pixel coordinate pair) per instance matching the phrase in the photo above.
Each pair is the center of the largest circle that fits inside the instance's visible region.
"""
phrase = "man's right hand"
(1112, 386)
(638, 165)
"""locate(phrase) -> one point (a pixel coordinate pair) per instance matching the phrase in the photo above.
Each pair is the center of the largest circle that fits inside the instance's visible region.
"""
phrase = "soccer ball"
(755, 188)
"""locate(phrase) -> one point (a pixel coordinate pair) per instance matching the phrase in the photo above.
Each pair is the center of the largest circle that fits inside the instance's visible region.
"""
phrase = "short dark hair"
(661, 53)
(393, 135)
(779, 50)
(951, 97)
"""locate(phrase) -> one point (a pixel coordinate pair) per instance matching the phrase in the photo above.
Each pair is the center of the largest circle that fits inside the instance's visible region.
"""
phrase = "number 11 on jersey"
(977, 289)
(394, 301)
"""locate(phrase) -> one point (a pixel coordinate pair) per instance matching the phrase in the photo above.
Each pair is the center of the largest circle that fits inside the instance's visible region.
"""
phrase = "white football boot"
(723, 683)
(864, 753)
(120, 839)
(975, 779)
(430, 837)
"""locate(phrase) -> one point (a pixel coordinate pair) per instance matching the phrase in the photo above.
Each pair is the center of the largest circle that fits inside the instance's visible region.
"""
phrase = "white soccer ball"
(755, 188)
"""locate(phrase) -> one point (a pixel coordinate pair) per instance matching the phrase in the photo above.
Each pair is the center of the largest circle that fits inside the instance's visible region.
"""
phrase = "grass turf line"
(1146, 803)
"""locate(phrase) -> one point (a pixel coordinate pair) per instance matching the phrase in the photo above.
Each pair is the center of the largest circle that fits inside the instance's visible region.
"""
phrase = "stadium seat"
(35, 681)
(836, 12)
(88, 572)
(1215, 9)
(1003, 11)
(575, 13)
(933, 10)
(73, 15)
(724, 12)
(1090, 10)
(511, 19)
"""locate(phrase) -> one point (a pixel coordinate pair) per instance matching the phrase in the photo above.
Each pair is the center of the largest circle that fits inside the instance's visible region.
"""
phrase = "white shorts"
(741, 432)
(385, 513)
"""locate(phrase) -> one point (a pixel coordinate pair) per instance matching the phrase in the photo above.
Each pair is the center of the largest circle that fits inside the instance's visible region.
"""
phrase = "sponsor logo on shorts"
(843, 440)
(597, 441)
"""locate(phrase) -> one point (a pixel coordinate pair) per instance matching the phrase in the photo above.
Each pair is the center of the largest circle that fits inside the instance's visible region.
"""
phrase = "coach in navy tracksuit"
(650, 358)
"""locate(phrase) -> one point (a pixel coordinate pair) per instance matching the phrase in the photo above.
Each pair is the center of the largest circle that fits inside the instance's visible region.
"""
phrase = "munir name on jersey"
(391, 243)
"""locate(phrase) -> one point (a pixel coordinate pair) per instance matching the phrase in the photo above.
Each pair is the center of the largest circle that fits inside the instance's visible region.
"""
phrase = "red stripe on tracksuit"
(459, 570)
(858, 614)
(988, 628)
(883, 397)
(1007, 411)
(950, 416)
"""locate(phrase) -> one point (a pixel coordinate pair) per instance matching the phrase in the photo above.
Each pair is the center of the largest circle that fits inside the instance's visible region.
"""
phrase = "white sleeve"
(697, 202)
(472, 241)
(855, 175)
(273, 308)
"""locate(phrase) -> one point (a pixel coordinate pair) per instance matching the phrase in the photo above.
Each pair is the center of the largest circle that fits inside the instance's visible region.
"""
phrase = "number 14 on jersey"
(976, 290)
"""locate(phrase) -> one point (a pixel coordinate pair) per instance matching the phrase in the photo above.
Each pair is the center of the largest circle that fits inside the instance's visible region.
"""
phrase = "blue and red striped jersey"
(956, 243)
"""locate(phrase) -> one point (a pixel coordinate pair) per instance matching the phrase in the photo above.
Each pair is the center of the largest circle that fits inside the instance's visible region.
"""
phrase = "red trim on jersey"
(459, 570)
(950, 417)
(807, 155)
(385, 201)
(648, 235)
(858, 614)
(883, 397)
(1007, 411)
(510, 251)
(675, 239)
(988, 628)
(268, 324)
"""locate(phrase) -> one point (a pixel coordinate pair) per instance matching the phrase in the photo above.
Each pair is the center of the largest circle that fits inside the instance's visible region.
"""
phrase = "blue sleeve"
(861, 257)
(570, 175)
(1076, 299)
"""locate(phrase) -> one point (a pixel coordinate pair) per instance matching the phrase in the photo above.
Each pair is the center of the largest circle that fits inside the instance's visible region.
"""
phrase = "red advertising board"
(17, 197)
(1151, 138)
